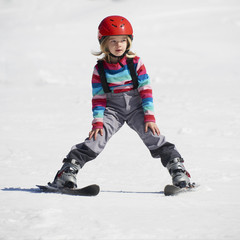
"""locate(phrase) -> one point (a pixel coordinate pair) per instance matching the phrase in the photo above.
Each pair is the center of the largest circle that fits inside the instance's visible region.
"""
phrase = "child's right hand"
(95, 132)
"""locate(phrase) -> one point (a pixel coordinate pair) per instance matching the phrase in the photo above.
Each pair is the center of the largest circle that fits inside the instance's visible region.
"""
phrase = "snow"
(192, 53)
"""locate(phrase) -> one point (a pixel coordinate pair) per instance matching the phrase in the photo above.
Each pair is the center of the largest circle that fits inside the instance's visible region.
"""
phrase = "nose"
(118, 43)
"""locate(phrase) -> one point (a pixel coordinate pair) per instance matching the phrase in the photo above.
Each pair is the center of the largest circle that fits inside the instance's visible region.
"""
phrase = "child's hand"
(153, 126)
(95, 132)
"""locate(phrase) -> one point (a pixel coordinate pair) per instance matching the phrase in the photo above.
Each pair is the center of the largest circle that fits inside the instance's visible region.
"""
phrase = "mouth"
(119, 51)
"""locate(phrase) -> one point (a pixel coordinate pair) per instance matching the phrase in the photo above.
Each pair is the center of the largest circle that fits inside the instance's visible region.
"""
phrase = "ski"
(90, 190)
(171, 190)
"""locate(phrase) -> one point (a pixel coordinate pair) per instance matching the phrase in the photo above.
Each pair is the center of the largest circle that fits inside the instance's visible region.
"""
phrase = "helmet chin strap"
(119, 57)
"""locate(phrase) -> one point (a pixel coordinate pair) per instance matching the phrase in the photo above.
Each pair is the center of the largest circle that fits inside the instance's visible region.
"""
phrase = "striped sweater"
(119, 80)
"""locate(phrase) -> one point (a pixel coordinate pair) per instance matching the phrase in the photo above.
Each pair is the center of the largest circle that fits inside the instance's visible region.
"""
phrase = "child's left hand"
(153, 126)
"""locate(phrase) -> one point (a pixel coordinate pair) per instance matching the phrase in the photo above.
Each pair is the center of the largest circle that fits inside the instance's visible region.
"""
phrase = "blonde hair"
(104, 49)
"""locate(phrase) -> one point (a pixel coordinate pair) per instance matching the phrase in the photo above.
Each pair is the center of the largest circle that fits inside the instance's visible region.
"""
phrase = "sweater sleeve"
(145, 91)
(98, 100)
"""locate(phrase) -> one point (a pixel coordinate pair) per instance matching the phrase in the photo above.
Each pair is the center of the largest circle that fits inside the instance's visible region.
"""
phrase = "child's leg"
(157, 145)
(87, 151)
(90, 149)
(160, 148)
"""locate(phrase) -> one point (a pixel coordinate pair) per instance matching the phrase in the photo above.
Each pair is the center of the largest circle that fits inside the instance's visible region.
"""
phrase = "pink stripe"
(148, 113)
(120, 83)
(95, 120)
(103, 96)
(120, 88)
(140, 63)
(144, 88)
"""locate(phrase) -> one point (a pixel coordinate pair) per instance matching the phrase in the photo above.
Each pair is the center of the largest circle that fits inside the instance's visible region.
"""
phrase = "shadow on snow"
(18, 189)
(133, 192)
(37, 190)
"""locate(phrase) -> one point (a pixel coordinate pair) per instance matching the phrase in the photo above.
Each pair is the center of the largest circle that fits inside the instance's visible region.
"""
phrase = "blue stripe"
(147, 100)
(98, 112)
(143, 77)
(97, 91)
(96, 85)
(114, 71)
(118, 77)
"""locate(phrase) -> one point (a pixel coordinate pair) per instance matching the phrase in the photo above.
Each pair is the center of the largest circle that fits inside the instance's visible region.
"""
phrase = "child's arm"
(98, 101)
(145, 91)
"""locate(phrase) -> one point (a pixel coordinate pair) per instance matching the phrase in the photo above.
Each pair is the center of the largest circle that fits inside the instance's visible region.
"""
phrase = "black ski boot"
(180, 177)
(66, 176)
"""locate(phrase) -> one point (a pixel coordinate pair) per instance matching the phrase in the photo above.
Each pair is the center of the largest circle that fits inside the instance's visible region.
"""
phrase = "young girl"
(121, 93)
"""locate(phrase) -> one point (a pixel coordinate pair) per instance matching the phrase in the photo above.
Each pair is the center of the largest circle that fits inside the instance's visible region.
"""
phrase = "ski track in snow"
(192, 53)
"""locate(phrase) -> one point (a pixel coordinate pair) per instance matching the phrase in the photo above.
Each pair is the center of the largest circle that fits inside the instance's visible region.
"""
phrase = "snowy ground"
(192, 53)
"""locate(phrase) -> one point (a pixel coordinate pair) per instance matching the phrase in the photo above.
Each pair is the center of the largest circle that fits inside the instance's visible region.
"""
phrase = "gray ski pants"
(121, 108)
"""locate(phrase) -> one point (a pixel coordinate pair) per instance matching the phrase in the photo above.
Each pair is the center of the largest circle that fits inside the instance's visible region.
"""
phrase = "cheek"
(110, 46)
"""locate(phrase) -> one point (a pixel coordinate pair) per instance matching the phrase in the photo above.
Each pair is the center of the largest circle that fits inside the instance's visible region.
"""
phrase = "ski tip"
(172, 190)
(41, 186)
(44, 188)
(95, 189)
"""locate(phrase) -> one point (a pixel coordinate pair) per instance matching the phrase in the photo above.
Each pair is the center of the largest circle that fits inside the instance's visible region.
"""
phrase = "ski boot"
(66, 176)
(180, 177)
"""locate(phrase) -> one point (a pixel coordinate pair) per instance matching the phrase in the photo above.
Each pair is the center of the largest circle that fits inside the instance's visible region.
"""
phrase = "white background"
(191, 50)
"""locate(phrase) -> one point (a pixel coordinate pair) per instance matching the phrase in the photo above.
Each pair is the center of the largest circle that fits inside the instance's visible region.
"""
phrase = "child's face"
(117, 45)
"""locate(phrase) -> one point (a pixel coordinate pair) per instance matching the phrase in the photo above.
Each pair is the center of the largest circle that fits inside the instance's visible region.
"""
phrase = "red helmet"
(114, 25)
